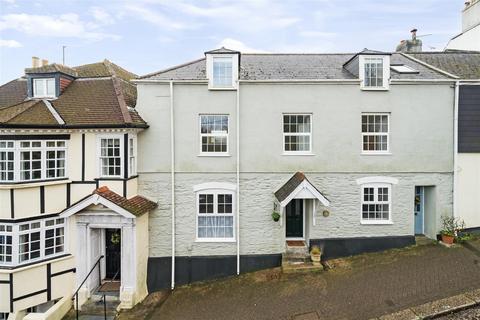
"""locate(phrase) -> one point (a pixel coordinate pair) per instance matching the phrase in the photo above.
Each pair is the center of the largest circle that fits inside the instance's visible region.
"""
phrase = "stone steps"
(296, 259)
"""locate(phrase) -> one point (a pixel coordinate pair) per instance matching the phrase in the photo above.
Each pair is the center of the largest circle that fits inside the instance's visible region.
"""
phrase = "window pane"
(50, 87)
(222, 72)
(110, 157)
(214, 133)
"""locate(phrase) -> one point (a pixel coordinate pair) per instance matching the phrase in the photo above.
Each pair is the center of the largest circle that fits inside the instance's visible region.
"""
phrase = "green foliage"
(275, 216)
(451, 226)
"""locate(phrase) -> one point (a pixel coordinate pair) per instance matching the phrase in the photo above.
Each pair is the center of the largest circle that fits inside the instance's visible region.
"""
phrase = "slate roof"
(136, 205)
(100, 96)
(464, 64)
(286, 66)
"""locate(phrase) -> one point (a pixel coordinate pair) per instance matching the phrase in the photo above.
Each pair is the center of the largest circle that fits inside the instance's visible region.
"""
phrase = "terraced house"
(464, 66)
(68, 188)
(351, 152)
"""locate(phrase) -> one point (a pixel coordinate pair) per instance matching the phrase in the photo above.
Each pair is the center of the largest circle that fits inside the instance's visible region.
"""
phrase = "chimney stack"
(414, 34)
(413, 45)
(35, 62)
(44, 62)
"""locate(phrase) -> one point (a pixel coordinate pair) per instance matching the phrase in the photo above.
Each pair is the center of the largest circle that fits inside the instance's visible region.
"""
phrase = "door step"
(301, 267)
(297, 258)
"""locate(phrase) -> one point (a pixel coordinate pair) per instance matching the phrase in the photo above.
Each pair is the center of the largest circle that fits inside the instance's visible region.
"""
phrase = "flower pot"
(315, 258)
(447, 239)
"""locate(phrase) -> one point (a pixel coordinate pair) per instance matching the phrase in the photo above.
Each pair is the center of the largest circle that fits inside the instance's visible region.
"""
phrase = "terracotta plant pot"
(447, 239)
(315, 258)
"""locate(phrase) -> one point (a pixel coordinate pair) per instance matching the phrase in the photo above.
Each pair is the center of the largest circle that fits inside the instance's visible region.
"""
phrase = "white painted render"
(421, 146)
(468, 189)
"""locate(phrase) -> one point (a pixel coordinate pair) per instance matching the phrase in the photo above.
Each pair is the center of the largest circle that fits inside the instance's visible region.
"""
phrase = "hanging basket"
(275, 216)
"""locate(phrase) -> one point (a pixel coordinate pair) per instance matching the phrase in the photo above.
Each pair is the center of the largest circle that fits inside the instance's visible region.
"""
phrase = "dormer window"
(374, 71)
(222, 69)
(373, 68)
(44, 88)
(222, 72)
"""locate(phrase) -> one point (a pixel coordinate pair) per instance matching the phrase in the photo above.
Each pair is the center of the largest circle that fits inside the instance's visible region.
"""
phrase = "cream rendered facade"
(55, 278)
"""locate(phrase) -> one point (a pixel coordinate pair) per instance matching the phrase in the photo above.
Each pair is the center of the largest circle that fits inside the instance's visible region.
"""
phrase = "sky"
(145, 36)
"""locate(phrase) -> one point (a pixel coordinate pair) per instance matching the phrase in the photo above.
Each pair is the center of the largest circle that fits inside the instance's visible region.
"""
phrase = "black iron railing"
(75, 295)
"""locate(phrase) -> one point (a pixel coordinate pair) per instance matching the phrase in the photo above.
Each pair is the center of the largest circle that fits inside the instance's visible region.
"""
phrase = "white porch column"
(128, 265)
(81, 260)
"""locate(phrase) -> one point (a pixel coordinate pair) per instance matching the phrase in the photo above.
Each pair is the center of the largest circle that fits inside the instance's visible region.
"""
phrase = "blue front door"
(419, 208)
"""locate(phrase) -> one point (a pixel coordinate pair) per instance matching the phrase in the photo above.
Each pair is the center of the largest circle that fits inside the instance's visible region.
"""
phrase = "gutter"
(172, 170)
(74, 126)
(455, 149)
(238, 177)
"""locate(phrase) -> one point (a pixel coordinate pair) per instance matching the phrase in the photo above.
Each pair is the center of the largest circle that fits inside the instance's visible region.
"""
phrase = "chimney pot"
(44, 62)
(35, 62)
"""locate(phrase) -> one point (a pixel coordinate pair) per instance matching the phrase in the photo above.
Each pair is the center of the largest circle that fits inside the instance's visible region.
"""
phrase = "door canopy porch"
(128, 208)
(298, 187)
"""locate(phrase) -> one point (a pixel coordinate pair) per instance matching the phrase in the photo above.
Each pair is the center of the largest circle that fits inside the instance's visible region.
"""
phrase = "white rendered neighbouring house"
(354, 151)
(68, 189)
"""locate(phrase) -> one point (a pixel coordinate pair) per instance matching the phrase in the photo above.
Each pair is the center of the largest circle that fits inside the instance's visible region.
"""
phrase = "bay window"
(34, 240)
(31, 160)
(5, 244)
(7, 151)
(110, 157)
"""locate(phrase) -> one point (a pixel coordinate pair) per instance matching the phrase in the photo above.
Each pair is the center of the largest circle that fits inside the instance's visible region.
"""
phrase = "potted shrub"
(450, 228)
(275, 216)
(315, 254)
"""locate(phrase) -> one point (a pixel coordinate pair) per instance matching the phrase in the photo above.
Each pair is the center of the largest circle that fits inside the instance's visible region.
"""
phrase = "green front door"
(294, 219)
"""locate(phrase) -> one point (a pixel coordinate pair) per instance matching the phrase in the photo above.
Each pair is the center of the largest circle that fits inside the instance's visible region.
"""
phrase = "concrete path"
(360, 287)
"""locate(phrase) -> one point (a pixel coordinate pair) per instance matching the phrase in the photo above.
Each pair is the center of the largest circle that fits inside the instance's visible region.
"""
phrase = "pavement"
(469, 314)
(360, 287)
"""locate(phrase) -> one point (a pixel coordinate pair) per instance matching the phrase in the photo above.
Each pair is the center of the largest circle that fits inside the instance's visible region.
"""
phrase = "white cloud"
(316, 34)
(238, 45)
(65, 25)
(155, 17)
(10, 44)
(101, 16)
(241, 16)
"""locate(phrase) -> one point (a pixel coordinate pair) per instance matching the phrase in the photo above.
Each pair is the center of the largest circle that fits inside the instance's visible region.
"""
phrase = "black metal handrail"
(75, 295)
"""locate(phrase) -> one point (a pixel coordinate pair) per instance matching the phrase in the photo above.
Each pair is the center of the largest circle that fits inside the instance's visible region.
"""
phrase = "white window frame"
(210, 57)
(215, 189)
(363, 59)
(99, 154)
(4, 233)
(284, 134)
(17, 150)
(387, 134)
(16, 233)
(9, 148)
(132, 155)
(375, 187)
(45, 87)
(56, 148)
(226, 135)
